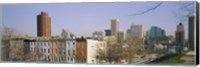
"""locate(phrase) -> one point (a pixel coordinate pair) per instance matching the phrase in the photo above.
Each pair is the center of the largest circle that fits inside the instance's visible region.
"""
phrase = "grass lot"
(172, 60)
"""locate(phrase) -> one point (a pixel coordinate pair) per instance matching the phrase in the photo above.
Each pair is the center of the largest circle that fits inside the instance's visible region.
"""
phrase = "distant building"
(121, 37)
(108, 32)
(180, 36)
(136, 31)
(67, 34)
(128, 31)
(191, 30)
(99, 35)
(114, 27)
(147, 33)
(43, 25)
(156, 32)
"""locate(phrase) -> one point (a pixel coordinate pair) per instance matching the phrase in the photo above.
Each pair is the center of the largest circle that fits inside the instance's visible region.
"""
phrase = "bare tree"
(187, 7)
(7, 34)
(111, 53)
(148, 10)
(16, 50)
(134, 48)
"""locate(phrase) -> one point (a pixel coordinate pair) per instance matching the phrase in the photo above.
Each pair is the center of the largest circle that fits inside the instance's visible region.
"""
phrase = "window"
(73, 43)
(68, 52)
(48, 58)
(73, 52)
(71, 59)
(46, 44)
(48, 50)
(64, 53)
(84, 60)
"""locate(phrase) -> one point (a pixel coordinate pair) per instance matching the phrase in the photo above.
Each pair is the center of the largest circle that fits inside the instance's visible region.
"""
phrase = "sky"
(85, 18)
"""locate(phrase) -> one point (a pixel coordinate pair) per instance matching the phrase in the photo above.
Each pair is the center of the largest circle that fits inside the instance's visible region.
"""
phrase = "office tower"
(120, 37)
(136, 31)
(114, 27)
(180, 36)
(108, 32)
(191, 30)
(156, 32)
(43, 25)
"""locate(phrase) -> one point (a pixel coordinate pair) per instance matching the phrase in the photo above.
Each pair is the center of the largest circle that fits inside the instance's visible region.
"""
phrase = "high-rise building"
(136, 31)
(120, 37)
(180, 36)
(114, 27)
(156, 32)
(43, 25)
(108, 32)
(191, 30)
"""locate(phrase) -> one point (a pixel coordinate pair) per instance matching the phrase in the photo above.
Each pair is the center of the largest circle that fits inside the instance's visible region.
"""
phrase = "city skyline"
(73, 15)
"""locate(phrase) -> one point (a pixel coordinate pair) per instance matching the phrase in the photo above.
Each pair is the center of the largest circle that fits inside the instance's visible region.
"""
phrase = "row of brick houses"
(79, 50)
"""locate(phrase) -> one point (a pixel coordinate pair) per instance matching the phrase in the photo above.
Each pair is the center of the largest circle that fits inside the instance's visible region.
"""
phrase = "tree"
(7, 34)
(129, 50)
(185, 10)
(16, 50)
(134, 47)
(111, 53)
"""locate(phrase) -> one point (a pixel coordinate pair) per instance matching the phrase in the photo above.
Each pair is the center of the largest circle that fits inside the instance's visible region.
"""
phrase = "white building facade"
(92, 47)
(39, 47)
(70, 50)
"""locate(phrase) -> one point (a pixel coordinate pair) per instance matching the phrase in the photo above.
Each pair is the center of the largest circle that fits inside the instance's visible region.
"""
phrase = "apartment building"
(70, 50)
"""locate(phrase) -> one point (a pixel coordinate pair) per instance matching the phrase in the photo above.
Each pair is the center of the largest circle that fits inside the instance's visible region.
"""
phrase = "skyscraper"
(114, 27)
(43, 25)
(136, 31)
(180, 36)
(156, 32)
(191, 30)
